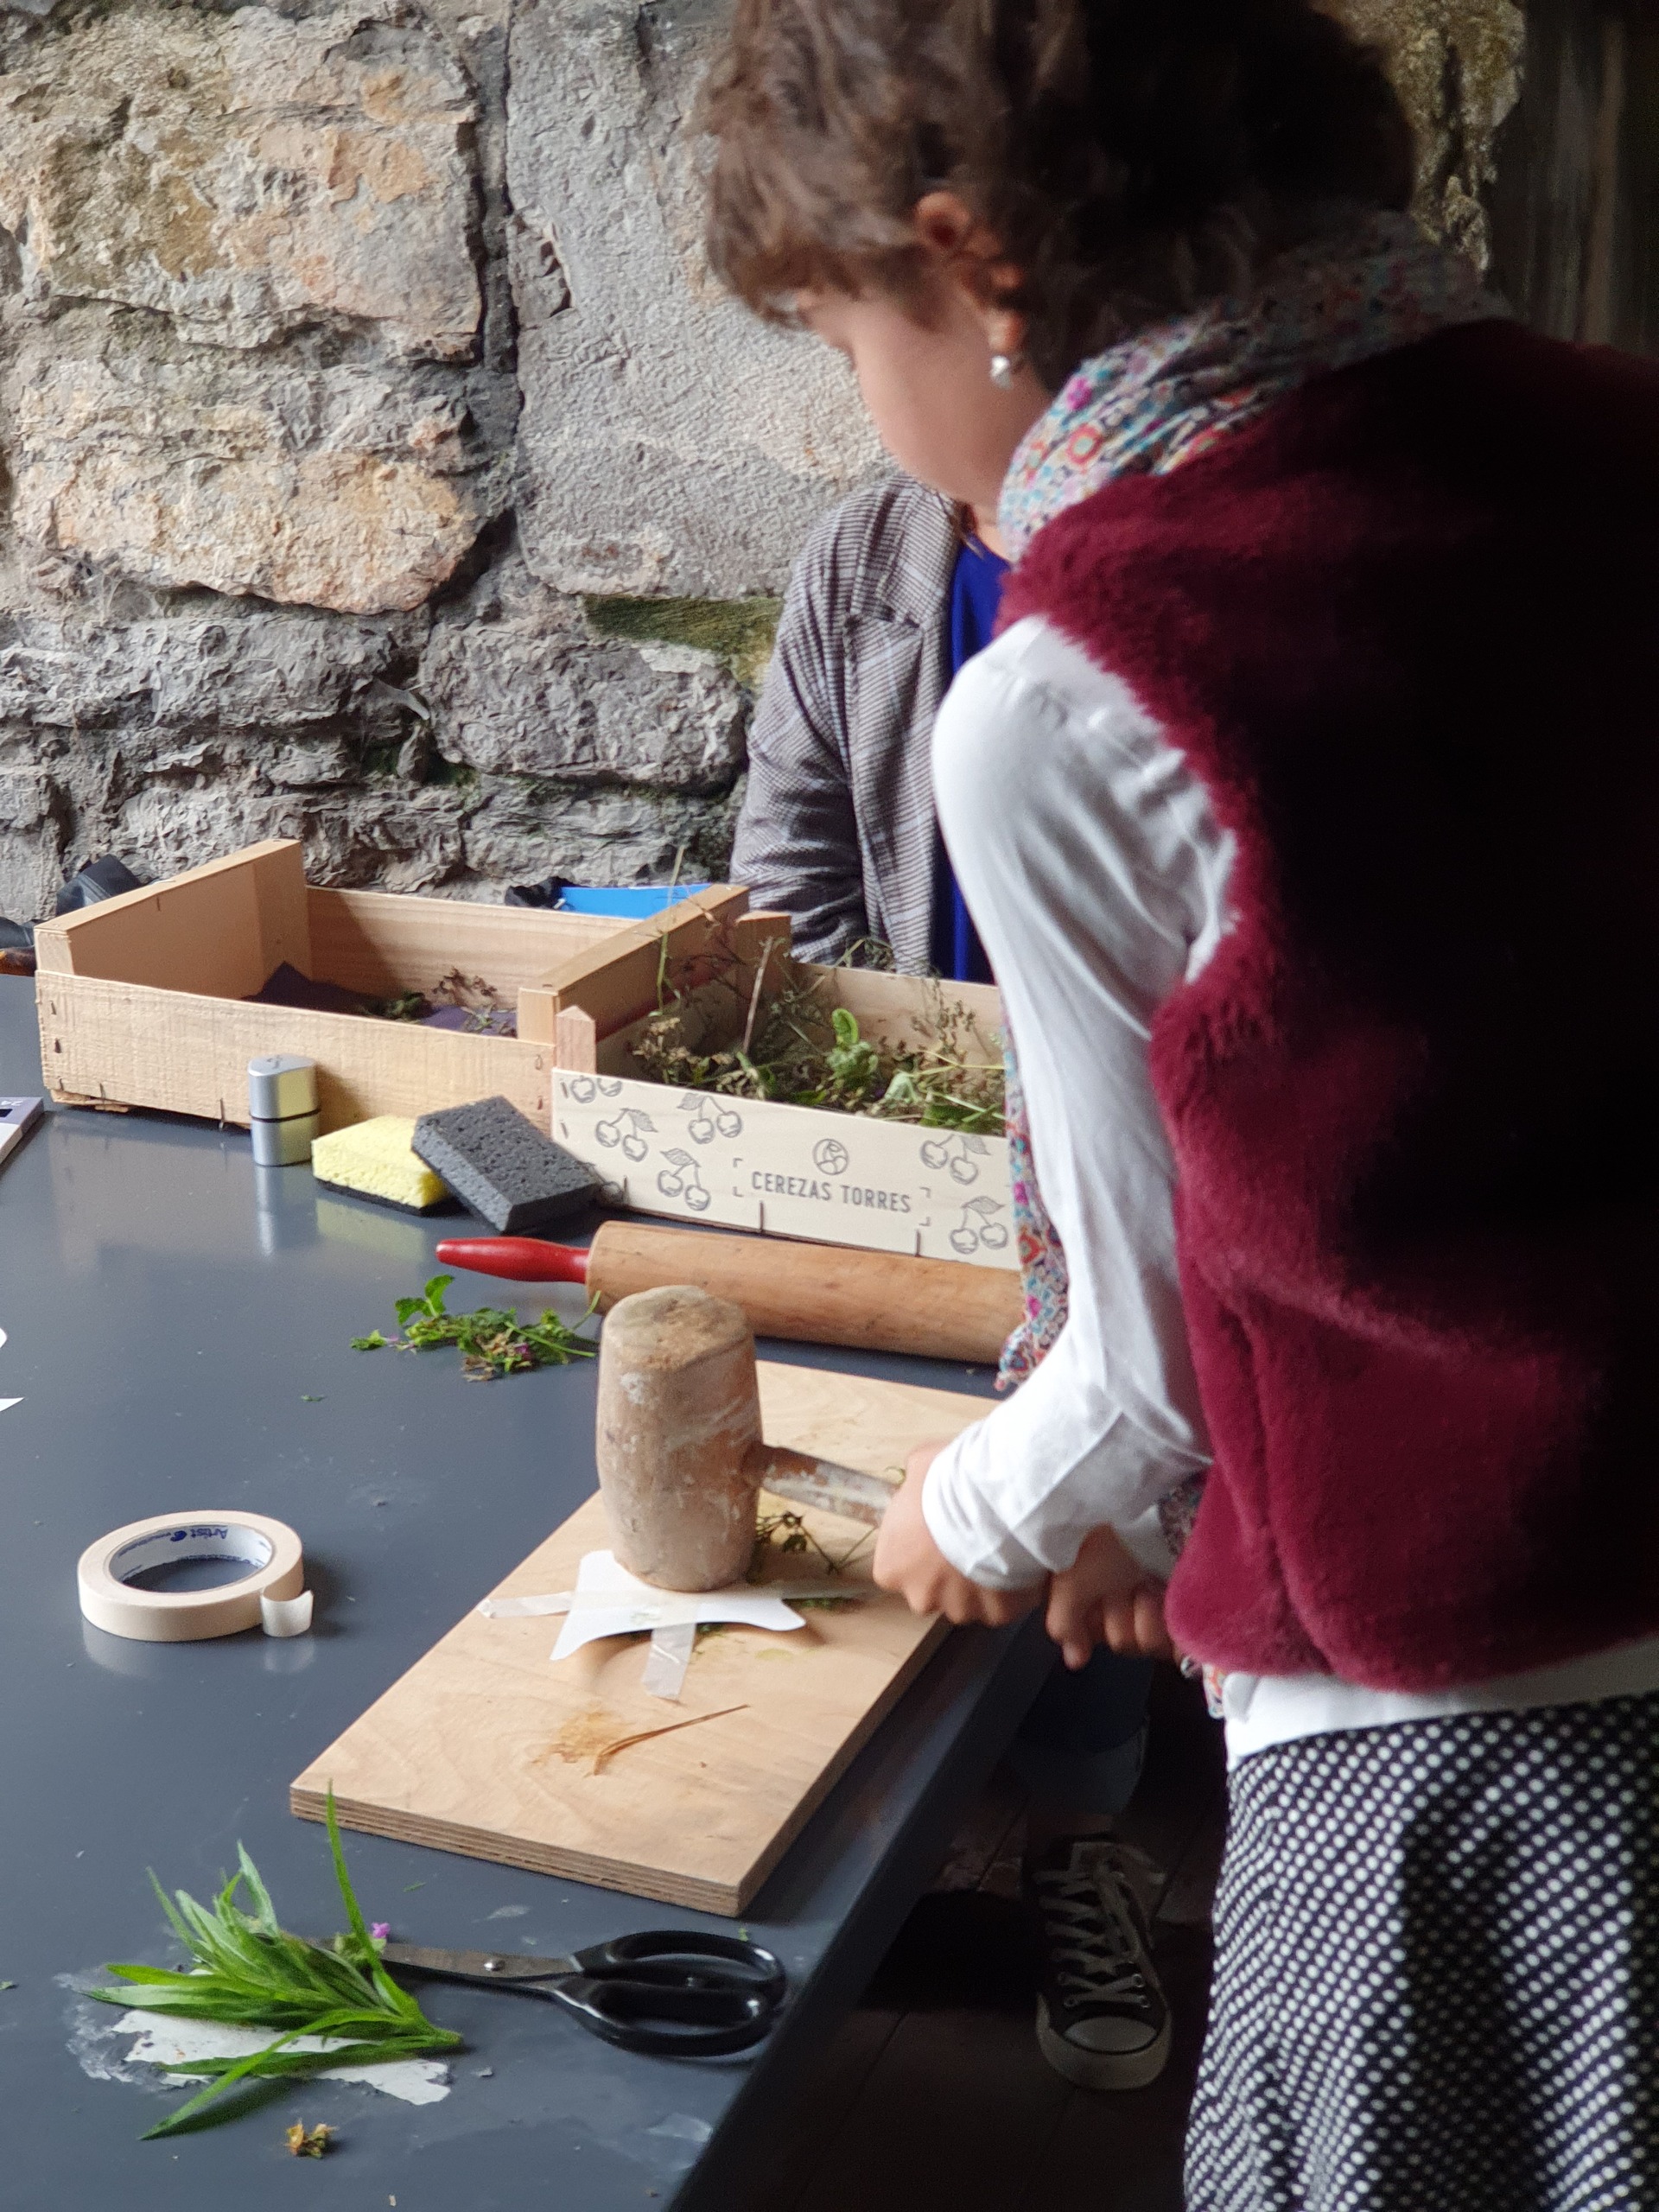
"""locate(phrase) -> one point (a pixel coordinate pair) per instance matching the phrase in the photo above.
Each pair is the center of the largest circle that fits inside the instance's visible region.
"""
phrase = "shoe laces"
(1091, 1939)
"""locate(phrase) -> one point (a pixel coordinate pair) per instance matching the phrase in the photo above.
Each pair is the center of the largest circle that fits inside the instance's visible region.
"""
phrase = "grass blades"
(247, 1971)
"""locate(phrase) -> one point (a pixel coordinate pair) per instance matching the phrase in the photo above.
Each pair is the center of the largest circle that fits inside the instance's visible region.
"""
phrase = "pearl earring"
(1004, 369)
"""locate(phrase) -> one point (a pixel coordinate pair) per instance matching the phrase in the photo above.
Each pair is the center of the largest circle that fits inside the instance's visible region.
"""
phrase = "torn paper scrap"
(163, 2041)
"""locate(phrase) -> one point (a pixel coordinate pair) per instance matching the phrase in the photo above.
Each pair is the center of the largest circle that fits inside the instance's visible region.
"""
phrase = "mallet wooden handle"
(810, 1293)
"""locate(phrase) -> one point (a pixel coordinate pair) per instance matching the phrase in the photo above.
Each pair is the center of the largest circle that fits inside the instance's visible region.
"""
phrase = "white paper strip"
(668, 1658)
(415, 2081)
(5, 1402)
(565, 1601)
(609, 1601)
(502, 1609)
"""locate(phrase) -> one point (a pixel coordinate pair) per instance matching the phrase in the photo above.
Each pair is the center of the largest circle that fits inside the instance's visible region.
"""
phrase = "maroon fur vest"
(1405, 629)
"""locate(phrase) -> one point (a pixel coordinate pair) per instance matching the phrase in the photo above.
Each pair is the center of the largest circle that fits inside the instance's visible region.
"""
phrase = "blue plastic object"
(633, 901)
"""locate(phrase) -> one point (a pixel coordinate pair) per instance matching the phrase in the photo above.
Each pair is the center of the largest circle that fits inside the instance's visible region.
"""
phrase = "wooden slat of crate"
(380, 944)
(465, 1751)
(619, 980)
(218, 930)
(123, 1043)
(792, 1171)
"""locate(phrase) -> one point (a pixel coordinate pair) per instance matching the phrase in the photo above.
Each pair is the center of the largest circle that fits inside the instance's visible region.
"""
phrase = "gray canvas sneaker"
(1103, 2019)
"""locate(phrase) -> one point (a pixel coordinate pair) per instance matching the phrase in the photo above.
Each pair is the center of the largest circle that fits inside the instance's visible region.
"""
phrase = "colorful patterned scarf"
(1164, 397)
(1172, 393)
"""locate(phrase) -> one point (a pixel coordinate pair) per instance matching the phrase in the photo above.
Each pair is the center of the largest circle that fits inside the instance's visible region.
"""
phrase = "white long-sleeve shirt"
(1097, 879)
(1097, 876)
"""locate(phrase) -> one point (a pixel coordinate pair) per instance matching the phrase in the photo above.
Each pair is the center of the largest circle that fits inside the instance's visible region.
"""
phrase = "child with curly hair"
(1305, 806)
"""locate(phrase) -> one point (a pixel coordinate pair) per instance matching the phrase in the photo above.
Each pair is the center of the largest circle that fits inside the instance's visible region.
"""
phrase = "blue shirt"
(975, 596)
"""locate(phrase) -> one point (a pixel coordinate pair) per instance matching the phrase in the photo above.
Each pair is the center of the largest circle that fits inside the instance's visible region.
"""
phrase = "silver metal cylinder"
(282, 1108)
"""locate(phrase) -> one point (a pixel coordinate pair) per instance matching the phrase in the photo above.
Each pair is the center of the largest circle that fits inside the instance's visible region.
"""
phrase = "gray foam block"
(498, 1162)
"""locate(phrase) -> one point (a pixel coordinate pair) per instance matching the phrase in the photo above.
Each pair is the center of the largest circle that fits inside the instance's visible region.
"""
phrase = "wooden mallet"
(680, 1458)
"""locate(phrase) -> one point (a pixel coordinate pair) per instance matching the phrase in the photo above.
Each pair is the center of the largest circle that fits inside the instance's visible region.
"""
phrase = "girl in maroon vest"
(1306, 807)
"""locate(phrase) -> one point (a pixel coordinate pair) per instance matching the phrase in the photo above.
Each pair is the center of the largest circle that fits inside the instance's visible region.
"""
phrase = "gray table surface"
(179, 1327)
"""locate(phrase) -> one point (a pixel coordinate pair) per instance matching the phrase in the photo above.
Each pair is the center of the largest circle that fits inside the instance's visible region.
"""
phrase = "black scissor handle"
(634, 2015)
(664, 1955)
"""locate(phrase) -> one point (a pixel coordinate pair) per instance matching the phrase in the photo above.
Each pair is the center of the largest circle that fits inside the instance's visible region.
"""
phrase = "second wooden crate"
(761, 1164)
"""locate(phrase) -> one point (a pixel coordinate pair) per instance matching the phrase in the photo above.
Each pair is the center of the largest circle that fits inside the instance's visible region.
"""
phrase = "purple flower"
(379, 1929)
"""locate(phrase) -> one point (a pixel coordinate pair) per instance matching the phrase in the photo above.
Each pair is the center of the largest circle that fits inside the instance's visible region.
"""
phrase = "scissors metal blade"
(474, 1966)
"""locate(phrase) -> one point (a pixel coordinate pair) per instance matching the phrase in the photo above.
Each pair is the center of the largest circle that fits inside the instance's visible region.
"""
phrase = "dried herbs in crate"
(799, 1047)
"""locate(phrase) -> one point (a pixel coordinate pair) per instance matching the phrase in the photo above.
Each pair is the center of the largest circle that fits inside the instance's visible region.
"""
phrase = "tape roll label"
(205, 1540)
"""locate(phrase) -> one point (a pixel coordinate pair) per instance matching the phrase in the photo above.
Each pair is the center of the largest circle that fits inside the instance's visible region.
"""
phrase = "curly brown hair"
(1133, 157)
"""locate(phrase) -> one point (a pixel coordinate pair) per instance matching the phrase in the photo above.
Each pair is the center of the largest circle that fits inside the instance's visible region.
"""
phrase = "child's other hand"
(1107, 1596)
(908, 1560)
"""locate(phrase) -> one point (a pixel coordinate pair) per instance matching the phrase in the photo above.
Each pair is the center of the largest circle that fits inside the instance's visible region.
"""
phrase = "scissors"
(669, 1991)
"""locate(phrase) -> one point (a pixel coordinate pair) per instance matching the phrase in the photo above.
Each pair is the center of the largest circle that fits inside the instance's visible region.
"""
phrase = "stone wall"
(377, 462)
(333, 374)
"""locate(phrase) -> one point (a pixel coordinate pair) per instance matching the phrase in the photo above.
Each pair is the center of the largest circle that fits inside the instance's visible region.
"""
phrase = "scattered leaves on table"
(307, 2142)
(245, 1970)
(493, 1340)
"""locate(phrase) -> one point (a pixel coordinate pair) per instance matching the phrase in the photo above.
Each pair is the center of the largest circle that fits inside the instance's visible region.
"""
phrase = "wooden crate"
(143, 1000)
(792, 1171)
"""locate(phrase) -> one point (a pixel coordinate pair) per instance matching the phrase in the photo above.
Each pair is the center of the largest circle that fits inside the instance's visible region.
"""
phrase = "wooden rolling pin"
(811, 1293)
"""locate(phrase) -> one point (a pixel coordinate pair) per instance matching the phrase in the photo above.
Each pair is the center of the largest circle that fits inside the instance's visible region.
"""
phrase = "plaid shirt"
(837, 826)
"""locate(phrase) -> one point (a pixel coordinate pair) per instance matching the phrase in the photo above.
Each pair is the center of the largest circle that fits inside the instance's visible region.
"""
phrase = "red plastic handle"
(520, 1259)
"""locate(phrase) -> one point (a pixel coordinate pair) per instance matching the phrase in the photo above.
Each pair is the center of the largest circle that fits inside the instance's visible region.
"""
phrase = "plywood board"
(480, 1748)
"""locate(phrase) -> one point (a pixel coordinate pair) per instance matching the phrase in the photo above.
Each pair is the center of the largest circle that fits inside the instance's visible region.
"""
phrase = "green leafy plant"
(804, 1053)
(246, 1971)
(493, 1340)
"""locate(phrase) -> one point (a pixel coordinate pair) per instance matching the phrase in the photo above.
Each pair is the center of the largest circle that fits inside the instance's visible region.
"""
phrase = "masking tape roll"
(270, 1549)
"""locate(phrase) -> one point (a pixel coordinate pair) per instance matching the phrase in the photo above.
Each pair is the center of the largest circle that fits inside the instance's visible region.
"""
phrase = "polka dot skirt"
(1437, 1971)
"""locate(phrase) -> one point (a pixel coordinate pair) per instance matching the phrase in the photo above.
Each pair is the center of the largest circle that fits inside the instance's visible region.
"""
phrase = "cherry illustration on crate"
(628, 1129)
(679, 1179)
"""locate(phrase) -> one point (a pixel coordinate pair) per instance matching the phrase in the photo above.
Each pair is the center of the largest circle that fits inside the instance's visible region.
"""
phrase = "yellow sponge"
(374, 1160)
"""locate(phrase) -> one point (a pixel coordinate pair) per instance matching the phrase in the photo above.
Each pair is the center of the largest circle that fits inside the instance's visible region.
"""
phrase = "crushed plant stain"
(587, 1735)
(598, 1734)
